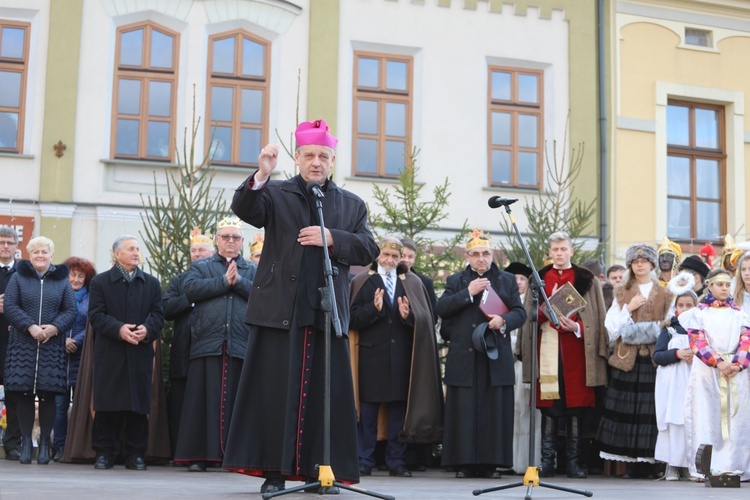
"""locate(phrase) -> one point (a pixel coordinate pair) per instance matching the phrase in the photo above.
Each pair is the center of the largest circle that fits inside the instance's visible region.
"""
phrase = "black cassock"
(478, 424)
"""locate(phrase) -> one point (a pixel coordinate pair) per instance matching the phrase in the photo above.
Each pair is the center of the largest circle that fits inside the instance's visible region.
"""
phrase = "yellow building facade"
(681, 138)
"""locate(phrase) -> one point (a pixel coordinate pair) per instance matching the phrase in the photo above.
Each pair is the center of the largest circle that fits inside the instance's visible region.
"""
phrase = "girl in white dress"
(742, 283)
(674, 357)
(717, 404)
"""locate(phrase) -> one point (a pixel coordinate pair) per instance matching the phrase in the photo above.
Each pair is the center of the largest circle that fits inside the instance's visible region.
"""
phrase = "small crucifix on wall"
(59, 149)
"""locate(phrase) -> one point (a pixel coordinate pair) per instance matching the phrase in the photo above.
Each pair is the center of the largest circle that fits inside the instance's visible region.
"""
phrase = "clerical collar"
(384, 272)
(477, 272)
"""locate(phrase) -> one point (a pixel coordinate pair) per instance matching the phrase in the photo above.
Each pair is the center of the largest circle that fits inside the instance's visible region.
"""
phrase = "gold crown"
(198, 238)
(669, 246)
(229, 222)
(256, 246)
(392, 245)
(478, 238)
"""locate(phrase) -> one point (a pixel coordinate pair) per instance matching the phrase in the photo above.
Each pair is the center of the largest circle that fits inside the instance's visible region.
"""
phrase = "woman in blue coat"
(40, 307)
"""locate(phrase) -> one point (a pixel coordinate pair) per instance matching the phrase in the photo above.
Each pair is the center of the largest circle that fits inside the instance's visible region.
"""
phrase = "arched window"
(143, 117)
(237, 100)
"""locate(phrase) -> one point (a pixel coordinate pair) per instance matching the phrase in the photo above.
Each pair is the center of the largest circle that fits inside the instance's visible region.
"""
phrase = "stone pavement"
(63, 481)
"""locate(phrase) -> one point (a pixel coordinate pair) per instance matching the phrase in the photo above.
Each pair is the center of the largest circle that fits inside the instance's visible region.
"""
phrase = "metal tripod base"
(531, 479)
(326, 479)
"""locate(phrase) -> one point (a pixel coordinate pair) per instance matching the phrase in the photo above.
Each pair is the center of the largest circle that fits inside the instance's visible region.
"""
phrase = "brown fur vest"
(654, 310)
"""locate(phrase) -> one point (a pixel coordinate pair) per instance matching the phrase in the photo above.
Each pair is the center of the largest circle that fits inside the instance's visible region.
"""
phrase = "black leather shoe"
(102, 463)
(58, 454)
(400, 471)
(13, 454)
(135, 463)
(365, 470)
(197, 467)
(272, 485)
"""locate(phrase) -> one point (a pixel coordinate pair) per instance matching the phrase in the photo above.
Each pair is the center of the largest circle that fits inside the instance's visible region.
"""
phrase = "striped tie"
(390, 287)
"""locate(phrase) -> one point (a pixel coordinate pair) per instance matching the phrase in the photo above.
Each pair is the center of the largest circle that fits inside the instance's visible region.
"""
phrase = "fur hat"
(641, 251)
(694, 263)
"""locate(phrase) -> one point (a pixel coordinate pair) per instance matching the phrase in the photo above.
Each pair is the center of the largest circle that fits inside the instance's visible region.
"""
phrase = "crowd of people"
(651, 364)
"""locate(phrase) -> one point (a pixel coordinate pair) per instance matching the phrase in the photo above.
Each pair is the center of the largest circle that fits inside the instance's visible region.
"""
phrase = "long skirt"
(627, 430)
(207, 410)
(478, 424)
(277, 424)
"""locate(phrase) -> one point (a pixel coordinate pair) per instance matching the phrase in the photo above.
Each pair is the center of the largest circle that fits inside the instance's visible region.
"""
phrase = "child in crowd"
(674, 357)
(717, 404)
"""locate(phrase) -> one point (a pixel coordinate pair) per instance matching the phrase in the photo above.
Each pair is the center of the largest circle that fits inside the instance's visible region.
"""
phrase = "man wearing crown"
(478, 423)
(256, 248)
(219, 286)
(670, 256)
(395, 360)
(572, 357)
(177, 308)
(276, 426)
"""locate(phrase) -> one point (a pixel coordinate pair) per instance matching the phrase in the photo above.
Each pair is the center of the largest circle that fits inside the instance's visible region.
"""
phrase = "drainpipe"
(602, 132)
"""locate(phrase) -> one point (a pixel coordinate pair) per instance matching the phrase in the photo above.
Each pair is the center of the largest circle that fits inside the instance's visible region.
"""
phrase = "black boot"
(549, 446)
(26, 448)
(573, 448)
(43, 457)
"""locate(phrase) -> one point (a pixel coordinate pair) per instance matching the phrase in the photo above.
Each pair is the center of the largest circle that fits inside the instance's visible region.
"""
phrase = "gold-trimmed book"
(566, 301)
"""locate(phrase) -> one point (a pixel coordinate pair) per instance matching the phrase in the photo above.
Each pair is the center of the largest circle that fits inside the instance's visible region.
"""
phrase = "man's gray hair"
(8, 232)
(120, 240)
(560, 236)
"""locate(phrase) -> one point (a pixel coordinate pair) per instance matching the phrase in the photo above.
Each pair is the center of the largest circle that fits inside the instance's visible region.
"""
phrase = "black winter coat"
(219, 308)
(178, 308)
(664, 356)
(122, 371)
(282, 208)
(30, 300)
(461, 315)
(385, 343)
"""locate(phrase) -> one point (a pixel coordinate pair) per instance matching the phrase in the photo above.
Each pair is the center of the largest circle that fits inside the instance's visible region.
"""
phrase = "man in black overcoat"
(478, 423)
(395, 354)
(125, 311)
(276, 429)
(8, 247)
(177, 308)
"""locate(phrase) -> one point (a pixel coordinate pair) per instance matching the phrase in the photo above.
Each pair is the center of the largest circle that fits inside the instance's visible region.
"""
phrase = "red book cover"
(491, 303)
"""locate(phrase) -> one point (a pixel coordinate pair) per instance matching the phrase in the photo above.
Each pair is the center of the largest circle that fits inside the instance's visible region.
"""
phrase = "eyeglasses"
(229, 237)
(476, 255)
(6, 243)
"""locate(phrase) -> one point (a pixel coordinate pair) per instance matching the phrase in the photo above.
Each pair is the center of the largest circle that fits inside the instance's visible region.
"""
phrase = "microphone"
(498, 201)
(314, 189)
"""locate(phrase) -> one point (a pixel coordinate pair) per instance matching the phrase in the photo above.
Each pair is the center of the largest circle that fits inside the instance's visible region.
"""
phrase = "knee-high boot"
(573, 448)
(43, 457)
(549, 446)
(27, 446)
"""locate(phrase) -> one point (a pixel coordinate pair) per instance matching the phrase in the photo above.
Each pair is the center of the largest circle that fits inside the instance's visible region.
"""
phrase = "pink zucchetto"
(314, 133)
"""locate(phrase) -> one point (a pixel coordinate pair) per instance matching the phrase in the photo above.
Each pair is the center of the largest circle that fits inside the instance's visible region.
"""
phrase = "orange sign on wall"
(24, 226)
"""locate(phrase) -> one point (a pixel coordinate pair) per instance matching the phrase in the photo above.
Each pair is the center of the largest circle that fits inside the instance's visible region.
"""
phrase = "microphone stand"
(326, 480)
(531, 477)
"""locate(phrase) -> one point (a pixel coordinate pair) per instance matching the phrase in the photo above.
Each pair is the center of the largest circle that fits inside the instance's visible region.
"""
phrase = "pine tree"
(404, 214)
(188, 203)
(168, 220)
